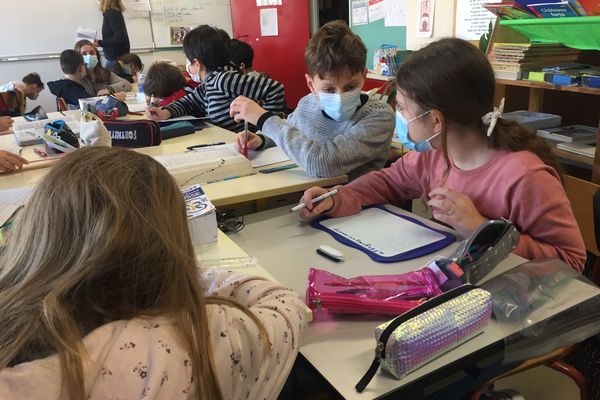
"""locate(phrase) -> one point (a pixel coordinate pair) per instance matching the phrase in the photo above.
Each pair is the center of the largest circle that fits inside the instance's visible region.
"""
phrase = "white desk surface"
(248, 188)
(342, 350)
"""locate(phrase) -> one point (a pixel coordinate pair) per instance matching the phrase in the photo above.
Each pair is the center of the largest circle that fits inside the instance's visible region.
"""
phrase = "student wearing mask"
(70, 88)
(335, 130)
(128, 66)
(471, 164)
(99, 81)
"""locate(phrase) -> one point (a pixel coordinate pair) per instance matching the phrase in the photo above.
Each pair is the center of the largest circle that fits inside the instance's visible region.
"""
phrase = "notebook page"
(205, 156)
(382, 233)
(272, 155)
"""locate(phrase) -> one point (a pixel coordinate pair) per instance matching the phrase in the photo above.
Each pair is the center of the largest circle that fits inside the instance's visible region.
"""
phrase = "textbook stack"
(206, 165)
(511, 60)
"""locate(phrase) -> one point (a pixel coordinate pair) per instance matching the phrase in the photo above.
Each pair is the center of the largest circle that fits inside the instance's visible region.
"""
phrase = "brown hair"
(163, 79)
(454, 77)
(101, 74)
(104, 237)
(116, 5)
(132, 59)
(333, 48)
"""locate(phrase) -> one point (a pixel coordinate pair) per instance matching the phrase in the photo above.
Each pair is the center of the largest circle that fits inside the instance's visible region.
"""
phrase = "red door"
(281, 57)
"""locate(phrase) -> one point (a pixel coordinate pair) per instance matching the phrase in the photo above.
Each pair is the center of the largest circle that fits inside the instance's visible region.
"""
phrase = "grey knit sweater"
(324, 147)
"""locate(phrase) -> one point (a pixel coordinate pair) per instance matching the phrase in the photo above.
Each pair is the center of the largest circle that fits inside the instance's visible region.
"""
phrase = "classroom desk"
(340, 351)
(248, 188)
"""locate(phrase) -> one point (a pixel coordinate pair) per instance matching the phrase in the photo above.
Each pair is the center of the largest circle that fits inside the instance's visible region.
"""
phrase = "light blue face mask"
(402, 132)
(127, 70)
(340, 107)
(90, 61)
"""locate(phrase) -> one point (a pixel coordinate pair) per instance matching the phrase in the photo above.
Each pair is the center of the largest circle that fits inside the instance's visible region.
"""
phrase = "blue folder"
(447, 239)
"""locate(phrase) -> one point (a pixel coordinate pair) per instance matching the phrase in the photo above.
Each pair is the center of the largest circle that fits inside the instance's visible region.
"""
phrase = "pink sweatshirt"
(513, 185)
(144, 359)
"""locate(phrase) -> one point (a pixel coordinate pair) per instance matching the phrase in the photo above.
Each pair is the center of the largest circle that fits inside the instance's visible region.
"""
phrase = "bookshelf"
(577, 105)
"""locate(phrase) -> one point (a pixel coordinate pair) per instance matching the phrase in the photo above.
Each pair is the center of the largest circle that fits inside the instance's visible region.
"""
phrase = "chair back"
(585, 201)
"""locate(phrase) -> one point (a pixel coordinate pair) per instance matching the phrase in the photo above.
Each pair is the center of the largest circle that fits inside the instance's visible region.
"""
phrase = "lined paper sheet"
(382, 233)
(272, 155)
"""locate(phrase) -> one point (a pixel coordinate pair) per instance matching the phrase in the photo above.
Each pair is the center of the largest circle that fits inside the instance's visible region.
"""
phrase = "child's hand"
(242, 108)
(157, 113)
(456, 210)
(10, 161)
(120, 96)
(314, 210)
(254, 141)
(5, 123)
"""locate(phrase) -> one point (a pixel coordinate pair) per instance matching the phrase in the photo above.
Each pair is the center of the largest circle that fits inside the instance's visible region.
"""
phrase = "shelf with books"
(548, 86)
(577, 32)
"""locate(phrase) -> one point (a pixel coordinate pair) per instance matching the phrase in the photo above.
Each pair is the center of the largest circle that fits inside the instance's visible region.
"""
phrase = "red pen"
(39, 152)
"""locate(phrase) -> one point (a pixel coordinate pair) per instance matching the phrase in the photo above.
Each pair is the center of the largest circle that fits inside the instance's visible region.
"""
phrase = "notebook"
(385, 236)
(206, 165)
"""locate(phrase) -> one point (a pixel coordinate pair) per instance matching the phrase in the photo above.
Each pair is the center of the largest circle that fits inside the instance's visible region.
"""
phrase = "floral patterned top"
(142, 358)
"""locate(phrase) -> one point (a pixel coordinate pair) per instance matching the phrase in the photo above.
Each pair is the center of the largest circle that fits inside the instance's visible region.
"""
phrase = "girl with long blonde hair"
(101, 295)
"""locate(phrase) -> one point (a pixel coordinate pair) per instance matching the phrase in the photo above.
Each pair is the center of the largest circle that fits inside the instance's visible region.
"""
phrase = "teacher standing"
(115, 40)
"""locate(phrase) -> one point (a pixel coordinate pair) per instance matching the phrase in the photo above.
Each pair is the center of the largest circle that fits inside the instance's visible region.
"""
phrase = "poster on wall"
(472, 20)
(376, 10)
(360, 14)
(395, 13)
(178, 33)
(269, 25)
(425, 23)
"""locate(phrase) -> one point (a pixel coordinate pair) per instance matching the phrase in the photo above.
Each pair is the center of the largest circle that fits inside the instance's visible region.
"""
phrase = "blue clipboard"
(447, 238)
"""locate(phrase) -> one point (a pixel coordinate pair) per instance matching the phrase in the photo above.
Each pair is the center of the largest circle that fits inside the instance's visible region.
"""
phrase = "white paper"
(268, 22)
(382, 233)
(203, 156)
(272, 155)
(425, 22)
(136, 8)
(396, 13)
(472, 20)
(360, 14)
(136, 107)
(376, 10)
(85, 33)
(260, 3)
(11, 200)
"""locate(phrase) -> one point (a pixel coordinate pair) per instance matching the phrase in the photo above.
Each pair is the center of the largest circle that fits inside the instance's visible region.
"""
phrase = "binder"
(385, 236)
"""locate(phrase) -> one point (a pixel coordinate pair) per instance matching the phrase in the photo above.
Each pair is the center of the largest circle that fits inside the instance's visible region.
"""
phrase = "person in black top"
(115, 40)
(70, 88)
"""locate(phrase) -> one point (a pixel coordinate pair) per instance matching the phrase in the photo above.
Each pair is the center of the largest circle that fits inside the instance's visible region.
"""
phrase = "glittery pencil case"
(429, 330)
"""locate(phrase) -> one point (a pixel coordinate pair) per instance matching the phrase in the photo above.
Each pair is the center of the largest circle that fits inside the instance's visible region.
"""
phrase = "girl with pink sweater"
(471, 164)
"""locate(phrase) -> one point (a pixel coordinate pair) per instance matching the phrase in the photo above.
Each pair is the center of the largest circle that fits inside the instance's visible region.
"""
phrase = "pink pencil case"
(328, 293)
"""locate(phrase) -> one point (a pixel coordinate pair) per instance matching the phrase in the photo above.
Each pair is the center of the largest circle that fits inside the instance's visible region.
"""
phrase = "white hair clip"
(492, 117)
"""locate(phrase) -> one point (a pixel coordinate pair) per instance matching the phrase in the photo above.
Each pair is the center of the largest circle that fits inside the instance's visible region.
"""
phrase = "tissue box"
(201, 214)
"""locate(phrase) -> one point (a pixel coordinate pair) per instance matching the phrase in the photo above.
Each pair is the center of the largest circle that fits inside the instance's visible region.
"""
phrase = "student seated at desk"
(242, 56)
(70, 88)
(14, 95)
(471, 164)
(101, 295)
(127, 67)
(207, 52)
(99, 81)
(166, 83)
(335, 129)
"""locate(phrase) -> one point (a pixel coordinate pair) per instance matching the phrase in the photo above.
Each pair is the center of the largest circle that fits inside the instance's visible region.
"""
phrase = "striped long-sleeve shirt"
(220, 88)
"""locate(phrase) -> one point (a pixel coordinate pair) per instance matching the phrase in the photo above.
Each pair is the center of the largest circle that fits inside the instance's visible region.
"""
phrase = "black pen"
(197, 146)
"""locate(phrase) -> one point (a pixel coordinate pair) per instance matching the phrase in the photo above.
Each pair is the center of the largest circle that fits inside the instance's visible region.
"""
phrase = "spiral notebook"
(384, 235)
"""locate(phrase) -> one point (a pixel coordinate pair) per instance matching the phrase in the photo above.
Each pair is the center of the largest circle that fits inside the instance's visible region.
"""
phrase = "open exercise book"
(385, 236)
(206, 165)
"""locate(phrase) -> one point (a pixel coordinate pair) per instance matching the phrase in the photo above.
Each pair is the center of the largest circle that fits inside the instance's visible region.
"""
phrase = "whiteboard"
(45, 28)
(188, 14)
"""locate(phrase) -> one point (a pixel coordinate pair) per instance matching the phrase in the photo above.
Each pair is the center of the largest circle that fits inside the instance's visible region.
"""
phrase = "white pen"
(316, 199)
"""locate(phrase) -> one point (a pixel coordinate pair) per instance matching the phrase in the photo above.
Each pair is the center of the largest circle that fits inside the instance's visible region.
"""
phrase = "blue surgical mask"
(340, 107)
(90, 61)
(402, 132)
(127, 70)
(195, 77)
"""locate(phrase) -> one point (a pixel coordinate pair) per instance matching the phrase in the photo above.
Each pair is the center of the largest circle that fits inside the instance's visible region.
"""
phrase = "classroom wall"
(49, 70)
(443, 24)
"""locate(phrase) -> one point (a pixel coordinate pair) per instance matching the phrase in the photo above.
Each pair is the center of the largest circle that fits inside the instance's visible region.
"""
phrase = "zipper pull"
(317, 303)
(364, 381)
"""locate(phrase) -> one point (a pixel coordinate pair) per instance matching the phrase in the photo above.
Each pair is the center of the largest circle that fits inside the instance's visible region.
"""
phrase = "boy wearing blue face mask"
(470, 163)
(335, 129)
(207, 51)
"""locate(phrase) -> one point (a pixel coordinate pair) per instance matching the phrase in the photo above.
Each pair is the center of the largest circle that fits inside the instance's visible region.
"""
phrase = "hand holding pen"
(312, 208)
